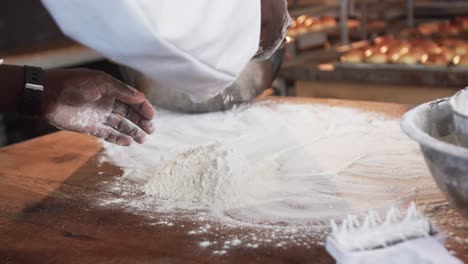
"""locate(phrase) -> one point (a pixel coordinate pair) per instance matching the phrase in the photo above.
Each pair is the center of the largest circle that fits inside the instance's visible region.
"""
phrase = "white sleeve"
(197, 46)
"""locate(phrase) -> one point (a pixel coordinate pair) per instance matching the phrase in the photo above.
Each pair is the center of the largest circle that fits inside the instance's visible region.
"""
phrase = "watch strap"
(33, 88)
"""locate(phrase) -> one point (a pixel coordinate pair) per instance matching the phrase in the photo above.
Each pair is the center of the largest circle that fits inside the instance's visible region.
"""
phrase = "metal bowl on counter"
(432, 126)
(254, 79)
(459, 104)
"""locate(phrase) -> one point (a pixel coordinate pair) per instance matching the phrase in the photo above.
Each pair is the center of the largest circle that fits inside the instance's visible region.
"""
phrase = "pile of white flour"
(274, 163)
(209, 176)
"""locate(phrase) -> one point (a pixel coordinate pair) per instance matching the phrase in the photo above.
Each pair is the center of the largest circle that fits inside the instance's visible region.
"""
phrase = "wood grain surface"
(48, 211)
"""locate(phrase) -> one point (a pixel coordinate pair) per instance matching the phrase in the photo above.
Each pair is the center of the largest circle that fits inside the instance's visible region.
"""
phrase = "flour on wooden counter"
(273, 163)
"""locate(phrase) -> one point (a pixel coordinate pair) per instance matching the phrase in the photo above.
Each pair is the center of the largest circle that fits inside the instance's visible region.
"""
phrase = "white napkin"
(196, 46)
(427, 250)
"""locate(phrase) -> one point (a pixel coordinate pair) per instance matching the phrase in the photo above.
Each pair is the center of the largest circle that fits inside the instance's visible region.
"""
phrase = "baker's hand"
(275, 24)
(94, 103)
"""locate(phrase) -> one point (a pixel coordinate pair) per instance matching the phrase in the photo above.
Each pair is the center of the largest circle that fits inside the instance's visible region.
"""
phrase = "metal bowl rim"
(424, 139)
(453, 103)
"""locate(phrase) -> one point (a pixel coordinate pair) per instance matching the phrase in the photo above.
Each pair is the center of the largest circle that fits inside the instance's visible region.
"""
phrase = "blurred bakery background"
(402, 51)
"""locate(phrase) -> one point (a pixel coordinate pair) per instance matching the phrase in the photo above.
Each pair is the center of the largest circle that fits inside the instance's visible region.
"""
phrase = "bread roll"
(353, 23)
(437, 60)
(416, 42)
(460, 61)
(328, 22)
(449, 43)
(317, 26)
(312, 24)
(429, 46)
(384, 40)
(428, 29)
(309, 21)
(413, 56)
(446, 28)
(353, 56)
(393, 56)
(447, 52)
(396, 51)
(384, 48)
(302, 19)
(462, 22)
(377, 58)
(461, 48)
(387, 46)
(408, 59)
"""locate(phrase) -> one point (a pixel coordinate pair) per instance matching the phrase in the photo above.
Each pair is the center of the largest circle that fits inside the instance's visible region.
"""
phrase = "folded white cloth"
(426, 250)
(198, 46)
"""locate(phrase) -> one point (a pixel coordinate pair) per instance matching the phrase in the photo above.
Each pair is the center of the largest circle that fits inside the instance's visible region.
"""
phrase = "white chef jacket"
(196, 46)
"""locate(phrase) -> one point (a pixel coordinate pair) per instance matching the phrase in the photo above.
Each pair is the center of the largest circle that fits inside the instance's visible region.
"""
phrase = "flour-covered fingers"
(109, 134)
(145, 109)
(135, 115)
(124, 126)
(123, 92)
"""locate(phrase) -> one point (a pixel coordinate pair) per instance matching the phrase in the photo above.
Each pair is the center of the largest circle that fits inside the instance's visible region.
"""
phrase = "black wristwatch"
(33, 89)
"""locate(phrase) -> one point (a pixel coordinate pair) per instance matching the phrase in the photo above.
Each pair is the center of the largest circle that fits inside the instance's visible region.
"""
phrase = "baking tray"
(311, 39)
(401, 67)
(398, 74)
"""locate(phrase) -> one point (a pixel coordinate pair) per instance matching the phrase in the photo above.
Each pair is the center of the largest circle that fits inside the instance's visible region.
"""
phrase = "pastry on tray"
(428, 29)
(396, 51)
(412, 57)
(328, 22)
(377, 58)
(316, 25)
(437, 60)
(449, 42)
(461, 48)
(302, 19)
(439, 51)
(429, 46)
(353, 23)
(462, 22)
(304, 24)
(449, 29)
(447, 52)
(353, 56)
(461, 61)
(384, 39)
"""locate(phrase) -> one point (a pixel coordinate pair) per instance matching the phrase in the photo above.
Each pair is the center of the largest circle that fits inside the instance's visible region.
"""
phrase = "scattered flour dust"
(282, 168)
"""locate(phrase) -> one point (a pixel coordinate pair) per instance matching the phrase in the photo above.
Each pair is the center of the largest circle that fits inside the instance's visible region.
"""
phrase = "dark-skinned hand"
(94, 103)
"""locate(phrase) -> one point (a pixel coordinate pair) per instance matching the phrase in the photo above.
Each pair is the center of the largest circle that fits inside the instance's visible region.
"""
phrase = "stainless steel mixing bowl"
(255, 78)
(432, 126)
(459, 104)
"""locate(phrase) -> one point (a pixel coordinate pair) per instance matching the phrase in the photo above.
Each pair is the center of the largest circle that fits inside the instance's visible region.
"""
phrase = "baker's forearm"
(11, 87)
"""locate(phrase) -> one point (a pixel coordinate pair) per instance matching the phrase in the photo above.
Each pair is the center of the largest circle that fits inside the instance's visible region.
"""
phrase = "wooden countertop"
(48, 211)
